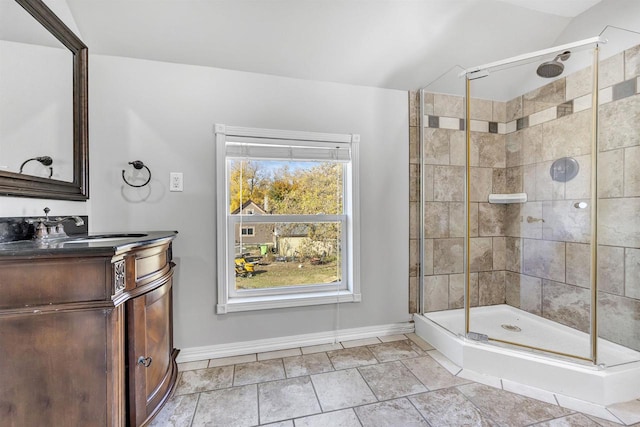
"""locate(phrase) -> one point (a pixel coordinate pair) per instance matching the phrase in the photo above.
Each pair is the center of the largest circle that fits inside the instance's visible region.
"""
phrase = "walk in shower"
(527, 183)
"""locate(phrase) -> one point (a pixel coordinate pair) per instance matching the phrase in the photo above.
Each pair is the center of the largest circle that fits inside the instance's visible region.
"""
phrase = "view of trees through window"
(295, 250)
(286, 187)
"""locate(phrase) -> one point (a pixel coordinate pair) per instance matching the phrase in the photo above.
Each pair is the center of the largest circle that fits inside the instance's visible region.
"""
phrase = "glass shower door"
(441, 207)
(619, 199)
(530, 133)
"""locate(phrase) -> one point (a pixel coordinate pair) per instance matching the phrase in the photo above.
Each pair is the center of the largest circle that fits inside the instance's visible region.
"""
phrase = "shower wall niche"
(536, 255)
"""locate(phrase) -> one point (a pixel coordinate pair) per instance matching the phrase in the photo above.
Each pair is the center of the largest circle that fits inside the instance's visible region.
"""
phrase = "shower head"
(550, 69)
(553, 68)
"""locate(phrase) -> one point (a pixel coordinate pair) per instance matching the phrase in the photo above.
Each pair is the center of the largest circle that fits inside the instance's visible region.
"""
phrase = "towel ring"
(137, 164)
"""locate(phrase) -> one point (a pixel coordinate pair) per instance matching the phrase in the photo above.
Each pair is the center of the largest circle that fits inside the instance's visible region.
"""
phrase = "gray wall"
(164, 114)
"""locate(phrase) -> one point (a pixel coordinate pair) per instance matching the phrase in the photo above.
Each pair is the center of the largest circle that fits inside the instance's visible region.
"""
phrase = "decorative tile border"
(624, 89)
(522, 122)
(582, 103)
(442, 122)
(612, 93)
(565, 109)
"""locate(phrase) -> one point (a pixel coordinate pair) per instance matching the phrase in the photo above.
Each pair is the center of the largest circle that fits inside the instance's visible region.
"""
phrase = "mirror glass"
(43, 104)
(36, 105)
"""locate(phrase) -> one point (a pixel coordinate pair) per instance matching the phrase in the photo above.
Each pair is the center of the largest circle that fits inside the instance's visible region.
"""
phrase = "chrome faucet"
(46, 228)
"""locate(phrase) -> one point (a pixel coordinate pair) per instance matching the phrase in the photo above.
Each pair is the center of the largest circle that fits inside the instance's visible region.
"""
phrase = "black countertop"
(91, 244)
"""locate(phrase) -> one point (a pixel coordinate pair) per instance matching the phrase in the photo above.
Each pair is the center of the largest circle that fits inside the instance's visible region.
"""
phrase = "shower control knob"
(580, 205)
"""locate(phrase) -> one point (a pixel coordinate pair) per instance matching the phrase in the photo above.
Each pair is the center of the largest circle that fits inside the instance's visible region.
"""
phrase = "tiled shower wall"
(444, 174)
(540, 266)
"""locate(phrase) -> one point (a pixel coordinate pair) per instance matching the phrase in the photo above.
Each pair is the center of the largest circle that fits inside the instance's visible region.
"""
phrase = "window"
(287, 218)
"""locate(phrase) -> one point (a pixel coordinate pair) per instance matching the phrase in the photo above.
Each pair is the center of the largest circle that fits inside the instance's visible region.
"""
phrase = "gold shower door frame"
(594, 209)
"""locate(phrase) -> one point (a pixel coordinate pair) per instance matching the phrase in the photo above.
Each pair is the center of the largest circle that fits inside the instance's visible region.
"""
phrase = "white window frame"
(229, 300)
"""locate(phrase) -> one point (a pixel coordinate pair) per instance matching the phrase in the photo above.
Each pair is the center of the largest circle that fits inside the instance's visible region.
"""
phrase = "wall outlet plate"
(175, 181)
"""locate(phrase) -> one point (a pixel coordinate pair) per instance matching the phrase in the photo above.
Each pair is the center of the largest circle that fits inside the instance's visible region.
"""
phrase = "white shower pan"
(614, 381)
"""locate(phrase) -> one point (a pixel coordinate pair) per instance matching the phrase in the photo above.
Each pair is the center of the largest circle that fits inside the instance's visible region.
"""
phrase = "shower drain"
(512, 328)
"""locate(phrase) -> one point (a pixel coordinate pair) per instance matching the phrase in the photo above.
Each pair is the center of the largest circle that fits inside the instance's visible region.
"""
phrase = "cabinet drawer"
(54, 281)
(149, 265)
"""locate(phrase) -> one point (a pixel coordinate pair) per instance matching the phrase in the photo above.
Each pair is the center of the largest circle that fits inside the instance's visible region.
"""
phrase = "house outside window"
(287, 218)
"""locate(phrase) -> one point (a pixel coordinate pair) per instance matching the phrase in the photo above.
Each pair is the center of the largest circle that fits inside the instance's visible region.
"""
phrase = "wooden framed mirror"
(31, 134)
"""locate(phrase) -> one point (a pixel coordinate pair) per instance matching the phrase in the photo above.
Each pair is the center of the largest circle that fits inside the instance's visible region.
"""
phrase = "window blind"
(287, 149)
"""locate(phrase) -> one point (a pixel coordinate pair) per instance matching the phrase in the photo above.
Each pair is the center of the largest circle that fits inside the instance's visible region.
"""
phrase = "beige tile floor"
(388, 381)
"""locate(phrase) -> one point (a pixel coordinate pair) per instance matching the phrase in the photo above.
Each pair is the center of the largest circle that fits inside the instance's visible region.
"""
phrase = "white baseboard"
(193, 354)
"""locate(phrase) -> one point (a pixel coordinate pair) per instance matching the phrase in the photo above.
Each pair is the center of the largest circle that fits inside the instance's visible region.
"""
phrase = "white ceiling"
(568, 8)
(401, 44)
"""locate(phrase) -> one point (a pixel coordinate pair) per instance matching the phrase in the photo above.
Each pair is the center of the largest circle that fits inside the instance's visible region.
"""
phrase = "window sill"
(284, 301)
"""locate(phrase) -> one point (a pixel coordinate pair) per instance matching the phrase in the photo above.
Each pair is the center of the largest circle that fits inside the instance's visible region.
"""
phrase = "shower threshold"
(611, 382)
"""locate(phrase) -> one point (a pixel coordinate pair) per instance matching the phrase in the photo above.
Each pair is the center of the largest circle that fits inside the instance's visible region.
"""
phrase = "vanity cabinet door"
(151, 357)
(55, 369)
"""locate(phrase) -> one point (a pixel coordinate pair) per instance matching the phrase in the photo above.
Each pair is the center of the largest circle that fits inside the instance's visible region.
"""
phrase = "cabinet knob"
(145, 361)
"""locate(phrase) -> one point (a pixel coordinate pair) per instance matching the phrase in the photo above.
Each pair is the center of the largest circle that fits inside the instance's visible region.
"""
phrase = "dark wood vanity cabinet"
(151, 356)
(86, 337)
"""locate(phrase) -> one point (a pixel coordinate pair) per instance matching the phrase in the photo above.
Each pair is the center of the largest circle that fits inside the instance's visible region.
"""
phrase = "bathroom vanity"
(86, 330)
